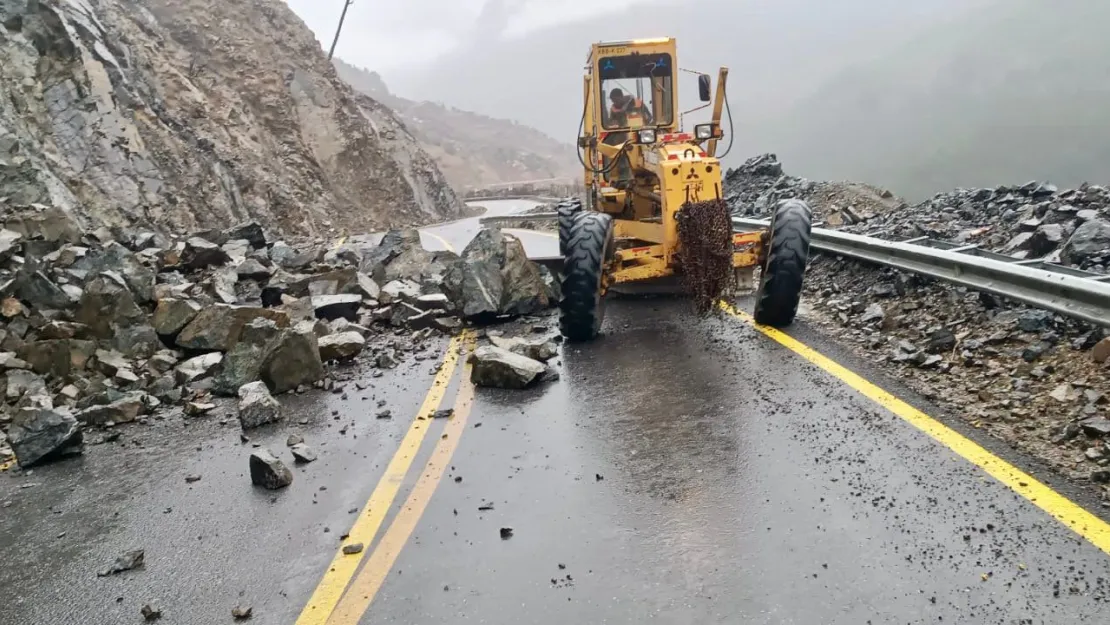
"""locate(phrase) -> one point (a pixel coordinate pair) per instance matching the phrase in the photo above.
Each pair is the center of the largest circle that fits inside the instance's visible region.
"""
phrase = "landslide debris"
(1035, 379)
(191, 114)
(139, 332)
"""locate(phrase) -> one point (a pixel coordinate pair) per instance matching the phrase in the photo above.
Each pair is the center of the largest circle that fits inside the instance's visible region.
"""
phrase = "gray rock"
(535, 348)
(269, 472)
(126, 561)
(218, 327)
(392, 245)
(1034, 320)
(1090, 240)
(1098, 426)
(496, 367)
(197, 367)
(1046, 238)
(432, 301)
(367, 286)
(41, 292)
(123, 410)
(303, 453)
(1034, 352)
(116, 258)
(341, 346)
(399, 291)
(494, 277)
(109, 311)
(223, 284)
(256, 406)
(873, 313)
(289, 258)
(251, 231)
(38, 435)
(335, 306)
(54, 357)
(22, 382)
(294, 361)
(171, 315)
(200, 253)
(252, 269)
(940, 340)
(8, 360)
(243, 362)
(386, 359)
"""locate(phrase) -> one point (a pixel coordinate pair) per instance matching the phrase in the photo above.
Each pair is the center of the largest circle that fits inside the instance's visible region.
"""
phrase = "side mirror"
(703, 87)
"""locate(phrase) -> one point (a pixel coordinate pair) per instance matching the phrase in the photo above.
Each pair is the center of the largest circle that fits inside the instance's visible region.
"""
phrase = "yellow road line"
(363, 589)
(4, 466)
(343, 567)
(446, 245)
(1071, 514)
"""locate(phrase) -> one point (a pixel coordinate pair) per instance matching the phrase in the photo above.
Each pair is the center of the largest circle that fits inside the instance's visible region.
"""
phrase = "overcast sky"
(394, 37)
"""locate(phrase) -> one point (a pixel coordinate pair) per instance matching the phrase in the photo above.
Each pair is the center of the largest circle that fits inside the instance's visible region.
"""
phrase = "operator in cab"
(627, 111)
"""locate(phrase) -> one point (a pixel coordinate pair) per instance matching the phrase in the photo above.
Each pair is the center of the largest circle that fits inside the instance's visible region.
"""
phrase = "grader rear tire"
(780, 282)
(568, 211)
(589, 249)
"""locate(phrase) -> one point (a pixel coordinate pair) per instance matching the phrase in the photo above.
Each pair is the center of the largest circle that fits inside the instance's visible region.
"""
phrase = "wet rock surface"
(169, 328)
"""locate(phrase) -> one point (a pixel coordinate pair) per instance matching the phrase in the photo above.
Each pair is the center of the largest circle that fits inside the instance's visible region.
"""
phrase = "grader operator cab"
(649, 182)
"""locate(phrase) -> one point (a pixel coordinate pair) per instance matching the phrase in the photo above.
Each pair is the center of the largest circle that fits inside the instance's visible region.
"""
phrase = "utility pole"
(342, 16)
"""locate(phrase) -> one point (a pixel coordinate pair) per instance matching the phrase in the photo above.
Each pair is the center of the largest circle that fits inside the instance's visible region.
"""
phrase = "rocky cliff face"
(191, 114)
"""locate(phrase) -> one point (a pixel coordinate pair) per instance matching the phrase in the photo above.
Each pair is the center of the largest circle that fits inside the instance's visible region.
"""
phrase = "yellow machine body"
(641, 166)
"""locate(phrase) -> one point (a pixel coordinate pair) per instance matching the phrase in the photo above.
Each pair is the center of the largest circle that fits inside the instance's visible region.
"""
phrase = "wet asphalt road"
(679, 472)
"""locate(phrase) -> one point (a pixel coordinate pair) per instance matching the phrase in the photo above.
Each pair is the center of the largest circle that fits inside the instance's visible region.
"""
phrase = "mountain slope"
(1014, 91)
(471, 149)
(190, 114)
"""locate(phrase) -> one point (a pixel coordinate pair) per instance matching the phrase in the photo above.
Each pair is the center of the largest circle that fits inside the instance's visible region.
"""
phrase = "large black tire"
(568, 210)
(589, 249)
(780, 281)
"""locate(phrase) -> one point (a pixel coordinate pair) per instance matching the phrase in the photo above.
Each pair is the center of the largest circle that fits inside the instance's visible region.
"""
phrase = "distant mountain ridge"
(471, 150)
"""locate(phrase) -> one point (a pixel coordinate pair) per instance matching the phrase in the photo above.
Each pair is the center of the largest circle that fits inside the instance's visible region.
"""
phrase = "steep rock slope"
(197, 113)
(472, 150)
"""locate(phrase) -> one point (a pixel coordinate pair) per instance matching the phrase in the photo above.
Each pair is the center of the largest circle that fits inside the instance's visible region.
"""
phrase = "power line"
(342, 16)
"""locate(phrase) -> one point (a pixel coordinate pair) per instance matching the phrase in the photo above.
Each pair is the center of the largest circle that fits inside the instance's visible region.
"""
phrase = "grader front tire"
(589, 248)
(780, 282)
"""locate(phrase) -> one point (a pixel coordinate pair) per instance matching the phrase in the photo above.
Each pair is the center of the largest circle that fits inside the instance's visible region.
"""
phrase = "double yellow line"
(341, 597)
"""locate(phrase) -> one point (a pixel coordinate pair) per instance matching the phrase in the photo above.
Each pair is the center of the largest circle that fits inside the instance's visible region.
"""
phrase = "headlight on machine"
(703, 131)
(647, 135)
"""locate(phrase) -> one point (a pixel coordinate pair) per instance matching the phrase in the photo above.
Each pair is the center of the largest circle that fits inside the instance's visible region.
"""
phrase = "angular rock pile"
(105, 328)
(1032, 220)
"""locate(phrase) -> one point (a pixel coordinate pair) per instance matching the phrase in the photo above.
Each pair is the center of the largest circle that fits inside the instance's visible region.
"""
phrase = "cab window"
(643, 84)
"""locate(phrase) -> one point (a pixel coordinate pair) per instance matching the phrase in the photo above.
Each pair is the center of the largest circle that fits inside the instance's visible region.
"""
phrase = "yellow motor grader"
(643, 175)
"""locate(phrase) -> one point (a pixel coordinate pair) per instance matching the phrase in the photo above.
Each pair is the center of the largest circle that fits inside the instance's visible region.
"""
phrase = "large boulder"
(173, 314)
(41, 292)
(108, 309)
(123, 410)
(392, 245)
(540, 349)
(57, 357)
(336, 306)
(494, 277)
(1090, 241)
(243, 363)
(218, 327)
(37, 435)
(499, 368)
(295, 360)
(341, 345)
(256, 406)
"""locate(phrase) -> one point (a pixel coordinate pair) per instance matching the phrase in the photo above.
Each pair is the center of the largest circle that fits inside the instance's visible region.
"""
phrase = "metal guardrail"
(1048, 286)
(547, 216)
